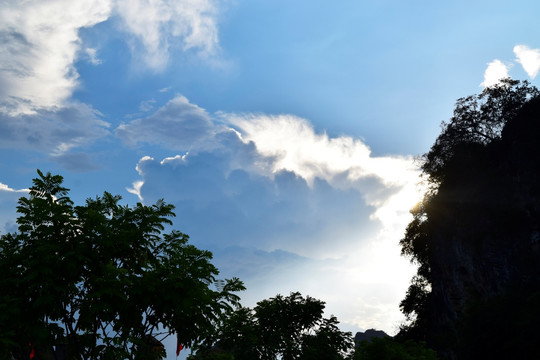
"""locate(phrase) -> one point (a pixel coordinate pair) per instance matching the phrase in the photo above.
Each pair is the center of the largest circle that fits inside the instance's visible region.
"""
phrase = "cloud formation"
(277, 157)
(178, 125)
(386, 183)
(8, 205)
(40, 44)
(529, 59)
(92, 56)
(284, 207)
(6, 188)
(159, 25)
(54, 131)
(495, 71)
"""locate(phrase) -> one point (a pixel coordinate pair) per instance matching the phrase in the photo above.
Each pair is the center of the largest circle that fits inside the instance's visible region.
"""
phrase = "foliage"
(390, 349)
(281, 327)
(477, 119)
(102, 280)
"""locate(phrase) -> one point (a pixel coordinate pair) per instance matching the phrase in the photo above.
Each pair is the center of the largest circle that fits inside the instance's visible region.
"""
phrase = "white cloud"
(4, 187)
(293, 144)
(529, 59)
(271, 183)
(8, 205)
(92, 56)
(40, 44)
(495, 71)
(272, 146)
(136, 189)
(160, 25)
(343, 162)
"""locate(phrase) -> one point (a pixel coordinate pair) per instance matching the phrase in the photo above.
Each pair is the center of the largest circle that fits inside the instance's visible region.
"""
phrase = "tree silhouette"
(102, 280)
(478, 119)
(283, 327)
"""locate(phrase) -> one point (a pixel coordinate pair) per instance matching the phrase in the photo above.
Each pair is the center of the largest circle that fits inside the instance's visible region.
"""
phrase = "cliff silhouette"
(476, 235)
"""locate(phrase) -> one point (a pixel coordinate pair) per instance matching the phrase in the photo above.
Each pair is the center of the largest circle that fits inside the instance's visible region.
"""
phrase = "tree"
(102, 280)
(288, 328)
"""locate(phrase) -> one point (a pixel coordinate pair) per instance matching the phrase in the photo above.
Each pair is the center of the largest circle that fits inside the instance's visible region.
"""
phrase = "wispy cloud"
(529, 59)
(147, 105)
(162, 25)
(495, 71)
(40, 43)
(92, 56)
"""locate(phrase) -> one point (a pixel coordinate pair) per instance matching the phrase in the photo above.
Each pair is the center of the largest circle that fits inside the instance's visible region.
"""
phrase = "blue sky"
(283, 131)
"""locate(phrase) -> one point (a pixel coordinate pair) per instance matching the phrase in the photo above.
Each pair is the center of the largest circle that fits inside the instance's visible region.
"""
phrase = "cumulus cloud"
(159, 25)
(179, 125)
(40, 44)
(217, 205)
(495, 71)
(281, 234)
(528, 58)
(286, 208)
(343, 162)
(278, 157)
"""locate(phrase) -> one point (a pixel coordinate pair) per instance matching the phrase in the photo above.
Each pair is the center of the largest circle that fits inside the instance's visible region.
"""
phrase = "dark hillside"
(476, 237)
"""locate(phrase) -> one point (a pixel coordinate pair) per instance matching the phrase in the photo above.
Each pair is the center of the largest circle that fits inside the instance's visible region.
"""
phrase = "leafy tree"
(478, 119)
(102, 280)
(290, 327)
(388, 348)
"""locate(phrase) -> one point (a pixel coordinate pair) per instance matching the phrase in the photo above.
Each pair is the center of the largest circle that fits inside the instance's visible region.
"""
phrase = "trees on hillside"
(102, 280)
(469, 235)
(477, 119)
(282, 327)
(387, 348)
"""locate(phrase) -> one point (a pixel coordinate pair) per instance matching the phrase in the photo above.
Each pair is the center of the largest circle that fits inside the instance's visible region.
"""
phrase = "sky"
(286, 133)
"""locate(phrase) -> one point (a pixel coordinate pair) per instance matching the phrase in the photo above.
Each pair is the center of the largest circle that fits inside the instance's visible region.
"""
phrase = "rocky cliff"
(484, 247)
